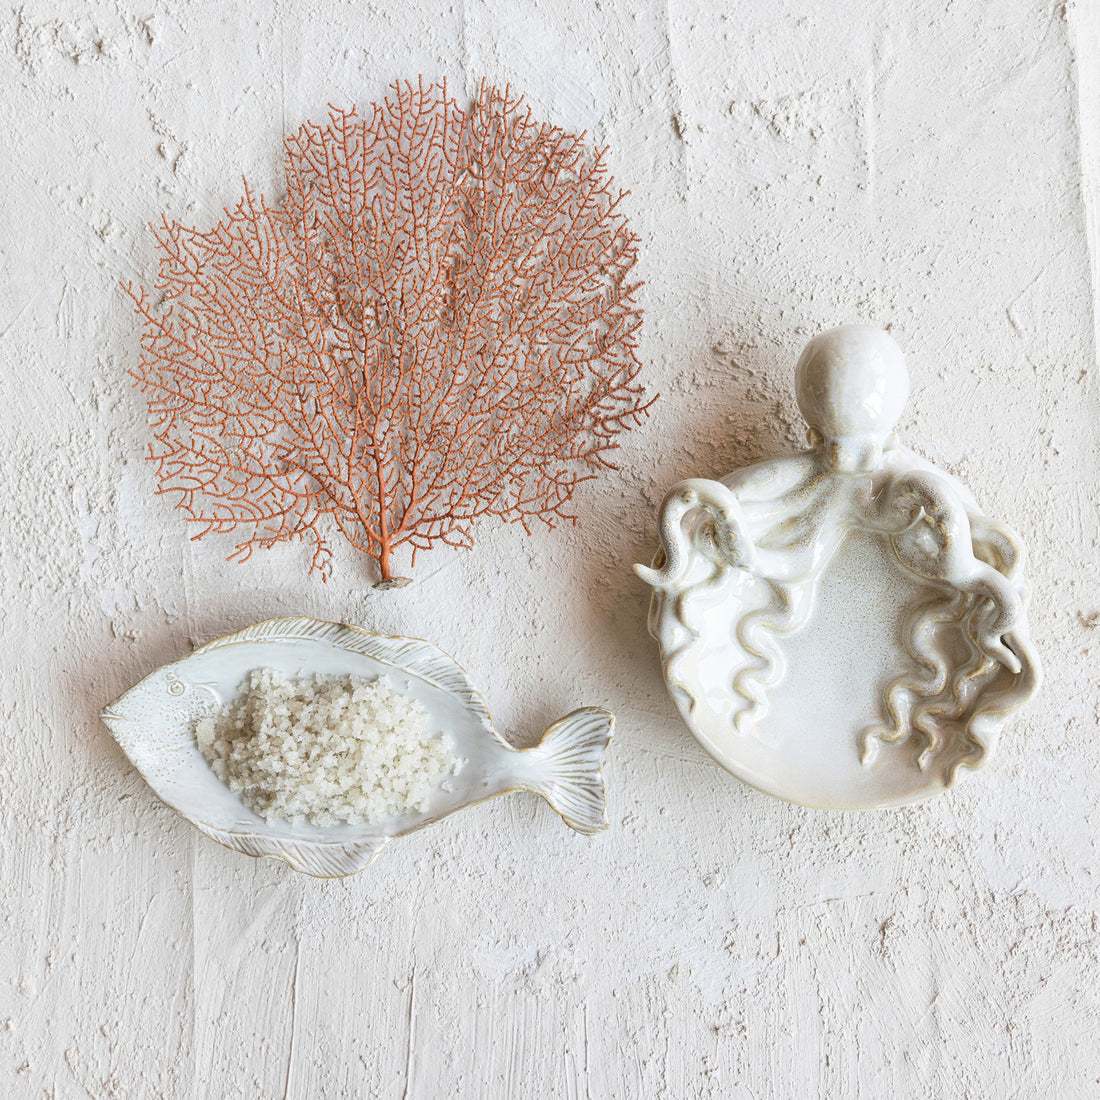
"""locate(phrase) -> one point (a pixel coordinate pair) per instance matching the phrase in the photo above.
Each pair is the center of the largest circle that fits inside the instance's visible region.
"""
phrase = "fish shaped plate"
(154, 723)
(843, 628)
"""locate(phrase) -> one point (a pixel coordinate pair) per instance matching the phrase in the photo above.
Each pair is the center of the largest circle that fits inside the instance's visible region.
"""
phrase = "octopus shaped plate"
(843, 628)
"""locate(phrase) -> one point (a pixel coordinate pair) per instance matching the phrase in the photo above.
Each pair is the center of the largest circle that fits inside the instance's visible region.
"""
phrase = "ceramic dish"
(843, 628)
(154, 723)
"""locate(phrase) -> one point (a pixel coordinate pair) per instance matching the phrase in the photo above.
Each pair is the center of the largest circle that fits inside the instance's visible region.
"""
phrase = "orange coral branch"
(437, 326)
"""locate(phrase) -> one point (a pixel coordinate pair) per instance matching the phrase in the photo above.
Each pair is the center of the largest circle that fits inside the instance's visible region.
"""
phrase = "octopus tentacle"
(930, 678)
(937, 538)
(672, 658)
(757, 633)
(932, 536)
(721, 538)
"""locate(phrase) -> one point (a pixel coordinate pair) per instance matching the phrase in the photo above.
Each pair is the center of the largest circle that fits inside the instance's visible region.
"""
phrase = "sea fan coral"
(436, 325)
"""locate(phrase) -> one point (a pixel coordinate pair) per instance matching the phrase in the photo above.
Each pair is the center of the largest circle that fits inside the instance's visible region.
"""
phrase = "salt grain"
(327, 749)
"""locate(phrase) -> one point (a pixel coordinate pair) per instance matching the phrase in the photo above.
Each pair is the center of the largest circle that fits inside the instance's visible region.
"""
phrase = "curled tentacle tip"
(657, 578)
(996, 648)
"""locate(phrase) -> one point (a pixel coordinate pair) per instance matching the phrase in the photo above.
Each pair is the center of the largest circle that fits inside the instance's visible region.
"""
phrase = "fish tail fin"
(564, 768)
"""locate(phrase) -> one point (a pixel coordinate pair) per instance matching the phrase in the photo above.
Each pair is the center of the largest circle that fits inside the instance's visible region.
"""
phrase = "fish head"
(154, 721)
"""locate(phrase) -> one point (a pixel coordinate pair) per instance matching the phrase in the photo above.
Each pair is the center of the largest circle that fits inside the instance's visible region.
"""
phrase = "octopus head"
(852, 384)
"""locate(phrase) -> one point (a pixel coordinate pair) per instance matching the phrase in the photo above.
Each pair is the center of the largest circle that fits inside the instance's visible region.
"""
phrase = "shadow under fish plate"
(154, 723)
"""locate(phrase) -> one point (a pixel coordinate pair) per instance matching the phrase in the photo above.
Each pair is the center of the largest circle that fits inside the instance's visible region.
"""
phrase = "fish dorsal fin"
(410, 655)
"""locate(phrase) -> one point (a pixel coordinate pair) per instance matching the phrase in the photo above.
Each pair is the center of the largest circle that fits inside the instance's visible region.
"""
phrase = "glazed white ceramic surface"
(843, 628)
(154, 723)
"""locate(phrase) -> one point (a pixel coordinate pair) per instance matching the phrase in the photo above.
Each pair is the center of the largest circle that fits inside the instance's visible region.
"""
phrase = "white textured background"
(927, 164)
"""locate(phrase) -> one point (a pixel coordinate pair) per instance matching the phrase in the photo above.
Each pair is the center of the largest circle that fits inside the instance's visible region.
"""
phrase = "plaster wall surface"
(926, 165)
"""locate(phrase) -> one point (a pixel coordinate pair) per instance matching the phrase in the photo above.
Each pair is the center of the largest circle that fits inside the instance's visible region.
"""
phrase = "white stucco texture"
(922, 165)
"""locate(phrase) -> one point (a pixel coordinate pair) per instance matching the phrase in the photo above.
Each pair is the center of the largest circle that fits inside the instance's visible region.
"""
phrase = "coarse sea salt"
(327, 749)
